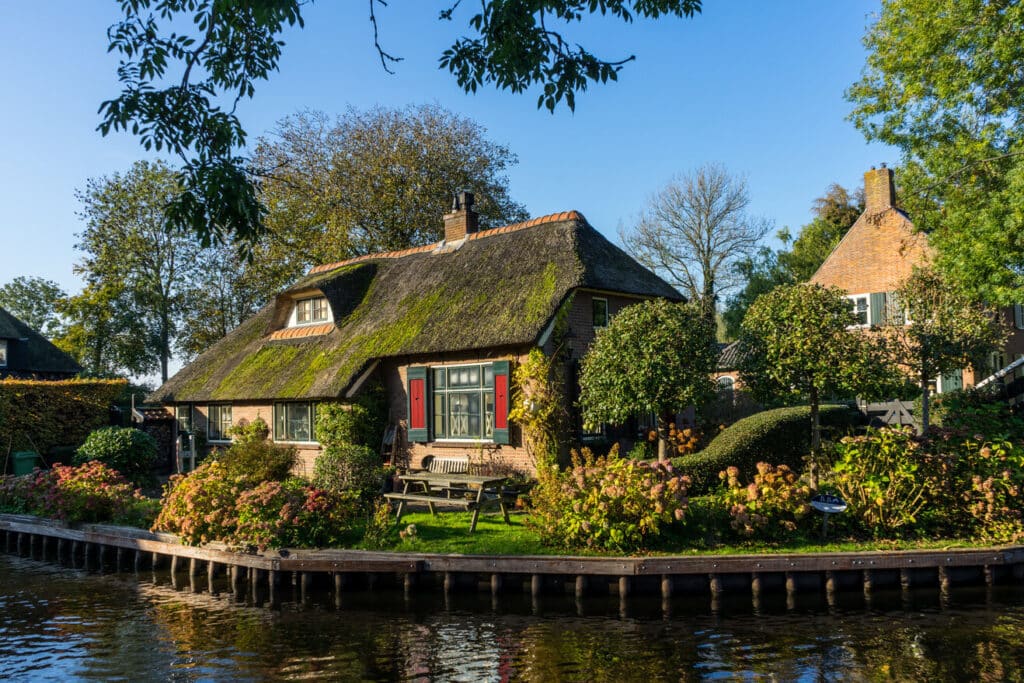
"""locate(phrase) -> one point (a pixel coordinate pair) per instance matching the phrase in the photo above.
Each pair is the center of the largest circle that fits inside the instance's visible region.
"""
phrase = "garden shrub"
(986, 487)
(770, 507)
(132, 452)
(886, 478)
(254, 460)
(610, 503)
(200, 507)
(44, 415)
(378, 526)
(291, 513)
(91, 492)
(361, 423)
(349, 468)
(977, 411)
(781, 436)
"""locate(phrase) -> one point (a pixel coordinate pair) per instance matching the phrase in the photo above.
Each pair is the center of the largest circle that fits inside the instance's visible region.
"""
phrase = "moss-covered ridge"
(497, 291)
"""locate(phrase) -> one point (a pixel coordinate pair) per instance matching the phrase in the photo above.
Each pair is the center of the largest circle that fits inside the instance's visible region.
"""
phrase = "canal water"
(60, 623)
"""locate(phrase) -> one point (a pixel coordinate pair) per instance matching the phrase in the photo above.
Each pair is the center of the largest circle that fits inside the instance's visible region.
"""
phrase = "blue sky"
(756, 86)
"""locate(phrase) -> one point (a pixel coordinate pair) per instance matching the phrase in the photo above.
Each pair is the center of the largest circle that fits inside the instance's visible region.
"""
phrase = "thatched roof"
(497, 288)
(30, 353)
(728, 356)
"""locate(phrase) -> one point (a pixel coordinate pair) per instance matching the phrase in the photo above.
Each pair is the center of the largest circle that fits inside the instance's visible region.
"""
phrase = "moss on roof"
(498, 290)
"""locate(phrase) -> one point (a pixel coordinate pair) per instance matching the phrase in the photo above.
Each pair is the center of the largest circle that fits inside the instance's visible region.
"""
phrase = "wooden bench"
(447, 464)
(461, 491)
(403, 498)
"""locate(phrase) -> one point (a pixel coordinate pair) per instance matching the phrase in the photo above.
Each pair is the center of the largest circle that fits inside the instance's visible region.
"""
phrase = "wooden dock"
(261, 574)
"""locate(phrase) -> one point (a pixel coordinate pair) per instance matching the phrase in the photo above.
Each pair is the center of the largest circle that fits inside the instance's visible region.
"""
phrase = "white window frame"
(3, 353)
(283, 438)
(484, 389)
(223, 436)
(293, 318)
(853, 299)
(190, 417)
(607, 312)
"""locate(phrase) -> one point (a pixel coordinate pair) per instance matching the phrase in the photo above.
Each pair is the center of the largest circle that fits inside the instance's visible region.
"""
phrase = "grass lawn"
(448, 533)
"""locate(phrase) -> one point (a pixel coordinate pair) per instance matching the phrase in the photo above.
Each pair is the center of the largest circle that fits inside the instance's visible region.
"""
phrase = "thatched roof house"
(26, 354)
(476, 296)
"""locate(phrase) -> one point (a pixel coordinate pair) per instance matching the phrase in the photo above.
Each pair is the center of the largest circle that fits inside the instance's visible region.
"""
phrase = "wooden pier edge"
(716, 572)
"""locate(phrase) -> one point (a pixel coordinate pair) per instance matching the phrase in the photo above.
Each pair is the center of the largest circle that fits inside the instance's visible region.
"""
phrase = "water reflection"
(66, 624)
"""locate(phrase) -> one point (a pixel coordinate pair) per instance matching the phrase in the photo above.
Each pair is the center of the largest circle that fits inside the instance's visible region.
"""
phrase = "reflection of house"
(26, 354)
(441, 327)
(878, 252)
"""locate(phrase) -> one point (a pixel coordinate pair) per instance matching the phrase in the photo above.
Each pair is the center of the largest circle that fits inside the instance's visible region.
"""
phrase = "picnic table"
(463, 491)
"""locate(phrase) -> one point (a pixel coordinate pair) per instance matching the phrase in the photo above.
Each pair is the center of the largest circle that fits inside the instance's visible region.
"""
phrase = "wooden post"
(60, 549)
(305, 586)
(211, 574)
(101, 556)
(408, 582)
(624, 586)
(755, 584)
(339, 586)
(74, 552)
(989, 576)
(715, 584)
(790, 591)
(666, 586)
(581, 585)
(236, 582)
(830, 588)
(449, 582)
(174, 565)
(32, 547)
(535, 585)
(155, 561)
(905, 581)
(496, 584)
(119, 557)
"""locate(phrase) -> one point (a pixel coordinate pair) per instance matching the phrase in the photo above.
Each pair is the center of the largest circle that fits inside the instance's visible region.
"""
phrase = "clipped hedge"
(41, 416)
(777, 437)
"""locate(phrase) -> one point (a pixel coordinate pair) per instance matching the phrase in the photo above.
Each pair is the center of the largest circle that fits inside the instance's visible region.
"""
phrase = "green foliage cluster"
(130, 451)
(92, 492)
(978, 411)
(291, 513)
(361, 423)
(771, 506)
(654, 357)
(348, 468)
(781, 436)
(539, 405)
(41, 415)
(609, 503)
(255, 460)
(33, 300)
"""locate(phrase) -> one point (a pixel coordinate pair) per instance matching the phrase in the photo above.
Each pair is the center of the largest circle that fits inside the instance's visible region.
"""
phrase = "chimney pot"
(879, 191)
(462, 220)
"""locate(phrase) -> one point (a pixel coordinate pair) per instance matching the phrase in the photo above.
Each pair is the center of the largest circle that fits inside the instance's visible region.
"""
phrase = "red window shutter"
(501, 400)
(417, 377)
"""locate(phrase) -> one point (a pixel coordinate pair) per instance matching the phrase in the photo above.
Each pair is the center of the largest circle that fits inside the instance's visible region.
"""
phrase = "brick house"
(441, 327)
(26, 354)
(878, 252)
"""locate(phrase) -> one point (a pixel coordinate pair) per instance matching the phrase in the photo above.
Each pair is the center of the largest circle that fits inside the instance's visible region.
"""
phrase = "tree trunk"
(924, 403)
(812, 465)
(165, 343)
(663, 445)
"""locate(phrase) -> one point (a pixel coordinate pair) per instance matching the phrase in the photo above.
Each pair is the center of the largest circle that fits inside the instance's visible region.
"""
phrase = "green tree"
(134, 257)
(33, 300)
(376, 180)
(103, 333)
(946, 330)
(654, 357)
(186, 65)
(798, 343)
(943, 84)
(694, 231)
(762, 273)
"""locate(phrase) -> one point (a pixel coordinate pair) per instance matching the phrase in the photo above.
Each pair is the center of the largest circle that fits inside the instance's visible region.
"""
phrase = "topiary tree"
(654, 357)
(945, 330)
(130, 451)
(801, 342)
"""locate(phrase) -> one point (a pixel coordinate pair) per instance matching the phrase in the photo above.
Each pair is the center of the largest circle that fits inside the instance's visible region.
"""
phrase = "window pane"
(439, 430)
(302, 311)
(464, 414)
(488, 375)
(280, 422)
(488, 414)
(439, 374)
(3, 352)
(184, 417)
(600, 308)
(298, 422)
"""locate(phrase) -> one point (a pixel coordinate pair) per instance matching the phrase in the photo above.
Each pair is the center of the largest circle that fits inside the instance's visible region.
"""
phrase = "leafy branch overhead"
(186, 65)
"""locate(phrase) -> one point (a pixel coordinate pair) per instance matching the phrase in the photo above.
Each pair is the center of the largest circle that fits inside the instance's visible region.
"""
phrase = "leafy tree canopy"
(943, 83)
(33, 300)
(654, 357)
(186, 65)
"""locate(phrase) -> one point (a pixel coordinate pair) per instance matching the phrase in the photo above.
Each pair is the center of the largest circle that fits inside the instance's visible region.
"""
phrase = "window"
(218, 422)
(295, 422)
(3, 353)
(313, 310)
(459, 402)
(600, 313)
(726, 389)
(1018, 316)
(860, 304)
(183, 415)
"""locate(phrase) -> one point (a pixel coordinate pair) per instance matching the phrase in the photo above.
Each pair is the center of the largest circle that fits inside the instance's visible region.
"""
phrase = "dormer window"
(312, 310)
(3, 353)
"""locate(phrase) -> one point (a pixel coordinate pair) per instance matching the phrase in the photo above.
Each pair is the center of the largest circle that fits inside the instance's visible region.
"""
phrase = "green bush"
(608, 503)
(255, 460)
(292, 514)
(361, 423)
(886, 478)
(770, 507)
(130, 451)
(200, 506)
(977, 411)
(349, 468)
(781, 436)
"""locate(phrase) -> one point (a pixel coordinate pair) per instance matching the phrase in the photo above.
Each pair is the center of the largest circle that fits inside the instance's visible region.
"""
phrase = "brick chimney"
(462, 220)
(879, 191)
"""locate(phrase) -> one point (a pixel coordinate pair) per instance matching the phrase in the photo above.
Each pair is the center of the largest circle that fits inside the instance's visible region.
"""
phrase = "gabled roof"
(30, 353)
(496, 288)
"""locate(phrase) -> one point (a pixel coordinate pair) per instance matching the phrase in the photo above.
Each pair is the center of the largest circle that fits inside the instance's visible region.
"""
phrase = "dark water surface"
(59, 623)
